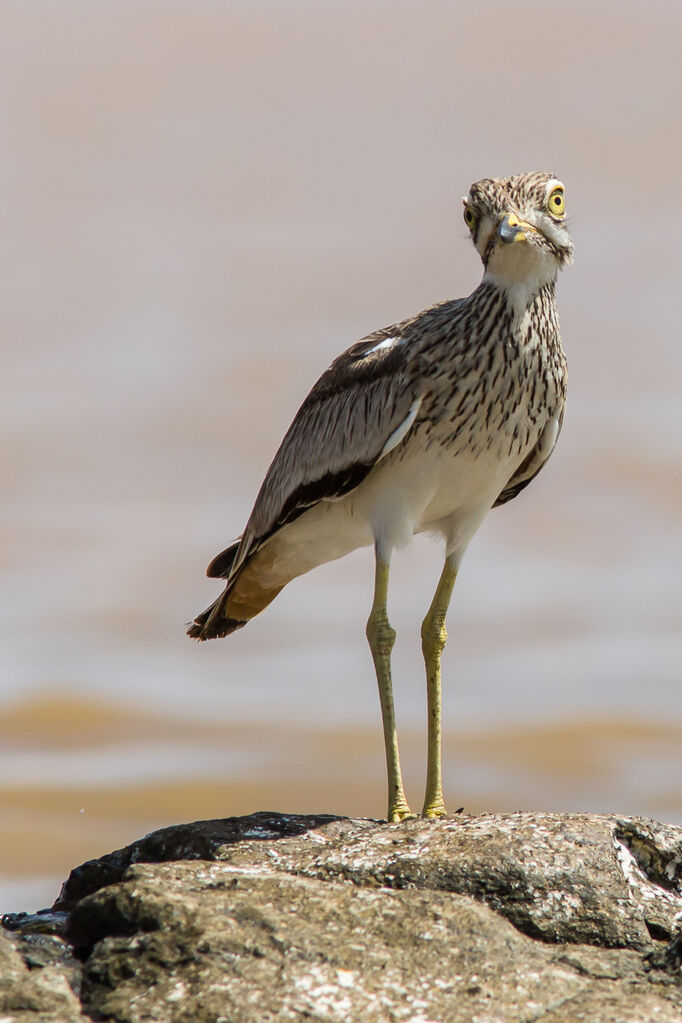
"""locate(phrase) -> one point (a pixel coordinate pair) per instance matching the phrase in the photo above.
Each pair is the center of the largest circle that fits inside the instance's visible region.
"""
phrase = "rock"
(507, 917)
(39, 980)
(203, 840)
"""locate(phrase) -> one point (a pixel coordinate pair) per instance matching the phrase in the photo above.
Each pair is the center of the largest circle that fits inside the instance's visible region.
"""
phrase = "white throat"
(521, 270)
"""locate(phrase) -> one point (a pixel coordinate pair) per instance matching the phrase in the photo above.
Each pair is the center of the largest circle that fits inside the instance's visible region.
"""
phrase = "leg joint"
(434, 633)
(380, 633)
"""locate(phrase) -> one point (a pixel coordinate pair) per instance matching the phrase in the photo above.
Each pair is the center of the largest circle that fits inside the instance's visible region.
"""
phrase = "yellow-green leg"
(381, 639)
(434, 635)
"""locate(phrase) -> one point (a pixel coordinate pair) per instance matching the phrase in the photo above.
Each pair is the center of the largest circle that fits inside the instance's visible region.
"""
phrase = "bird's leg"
(381, 639)
(434, 635)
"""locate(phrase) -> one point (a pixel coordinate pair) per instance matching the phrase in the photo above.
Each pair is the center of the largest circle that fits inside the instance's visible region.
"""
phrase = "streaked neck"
(520, 293)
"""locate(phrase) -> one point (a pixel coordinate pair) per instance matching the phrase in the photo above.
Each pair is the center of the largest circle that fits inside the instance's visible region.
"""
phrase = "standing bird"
(422, 426)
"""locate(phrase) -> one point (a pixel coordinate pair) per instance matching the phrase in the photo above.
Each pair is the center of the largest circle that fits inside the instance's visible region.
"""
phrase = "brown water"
(201, 205)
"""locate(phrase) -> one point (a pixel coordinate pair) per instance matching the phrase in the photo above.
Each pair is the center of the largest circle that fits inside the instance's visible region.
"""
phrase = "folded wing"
(359, 409)
(533, 462)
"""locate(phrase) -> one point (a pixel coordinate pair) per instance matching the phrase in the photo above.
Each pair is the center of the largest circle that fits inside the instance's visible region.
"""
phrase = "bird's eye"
(555, 203)
(469, 217)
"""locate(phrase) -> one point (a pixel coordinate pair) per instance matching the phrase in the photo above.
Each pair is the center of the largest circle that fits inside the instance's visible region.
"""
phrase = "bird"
(422, 426)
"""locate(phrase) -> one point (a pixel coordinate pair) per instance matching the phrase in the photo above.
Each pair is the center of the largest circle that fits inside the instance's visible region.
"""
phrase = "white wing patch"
(400, 431)
(381, 345)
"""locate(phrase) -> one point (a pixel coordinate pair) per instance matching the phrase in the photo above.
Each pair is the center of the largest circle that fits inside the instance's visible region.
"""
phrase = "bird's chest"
(502, 398)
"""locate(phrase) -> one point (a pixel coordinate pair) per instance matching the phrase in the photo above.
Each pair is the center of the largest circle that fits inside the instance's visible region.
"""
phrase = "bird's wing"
(358, 411)
(533, 462)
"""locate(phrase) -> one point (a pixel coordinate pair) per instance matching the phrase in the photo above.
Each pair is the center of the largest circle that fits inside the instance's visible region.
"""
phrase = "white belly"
(418, 492)
(430, 491)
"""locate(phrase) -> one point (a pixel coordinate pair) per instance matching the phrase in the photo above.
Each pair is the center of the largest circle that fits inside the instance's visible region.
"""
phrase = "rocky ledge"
(501, 917)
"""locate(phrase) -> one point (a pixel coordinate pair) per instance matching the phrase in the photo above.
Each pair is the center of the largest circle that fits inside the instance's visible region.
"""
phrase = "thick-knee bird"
(422, 426)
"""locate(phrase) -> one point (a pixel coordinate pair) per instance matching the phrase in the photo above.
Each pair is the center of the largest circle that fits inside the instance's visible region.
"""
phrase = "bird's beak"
(512, 229)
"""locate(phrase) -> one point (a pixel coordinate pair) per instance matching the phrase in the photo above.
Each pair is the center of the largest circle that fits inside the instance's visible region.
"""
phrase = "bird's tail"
(245, 595)
(214, 622)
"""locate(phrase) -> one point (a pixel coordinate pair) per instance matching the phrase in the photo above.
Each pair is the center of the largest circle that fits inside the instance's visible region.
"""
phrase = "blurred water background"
(201, 205)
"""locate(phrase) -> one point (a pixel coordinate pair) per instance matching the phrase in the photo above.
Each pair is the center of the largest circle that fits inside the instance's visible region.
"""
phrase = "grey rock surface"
(508, 917)
(39, 979)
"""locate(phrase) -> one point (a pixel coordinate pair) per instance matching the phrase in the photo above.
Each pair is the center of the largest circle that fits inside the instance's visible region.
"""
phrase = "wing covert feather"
(533, 463)
(337, 435)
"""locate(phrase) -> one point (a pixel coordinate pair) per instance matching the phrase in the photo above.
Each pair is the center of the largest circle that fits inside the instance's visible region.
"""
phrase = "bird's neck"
(521, 294)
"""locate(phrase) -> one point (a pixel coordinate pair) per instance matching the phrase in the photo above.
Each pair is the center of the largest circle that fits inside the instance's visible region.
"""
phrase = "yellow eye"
(555, 203)
(469, 217)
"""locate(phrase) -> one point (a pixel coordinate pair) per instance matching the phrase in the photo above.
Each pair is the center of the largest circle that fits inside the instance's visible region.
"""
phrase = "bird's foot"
(400, 811)
(434, 810)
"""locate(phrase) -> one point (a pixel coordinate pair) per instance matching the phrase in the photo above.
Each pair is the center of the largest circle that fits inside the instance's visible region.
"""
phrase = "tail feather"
(213, 623)
(221, 566)
(248, 590)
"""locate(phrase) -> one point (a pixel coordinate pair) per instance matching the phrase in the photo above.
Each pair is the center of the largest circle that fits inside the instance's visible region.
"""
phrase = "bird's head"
(518, 226)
